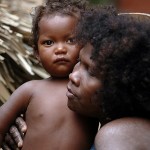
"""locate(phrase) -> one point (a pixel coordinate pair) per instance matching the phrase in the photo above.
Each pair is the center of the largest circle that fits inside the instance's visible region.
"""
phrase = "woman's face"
(83, 85)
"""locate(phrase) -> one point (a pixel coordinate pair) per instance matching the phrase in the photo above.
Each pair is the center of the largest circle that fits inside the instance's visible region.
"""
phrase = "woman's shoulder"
(124, 133)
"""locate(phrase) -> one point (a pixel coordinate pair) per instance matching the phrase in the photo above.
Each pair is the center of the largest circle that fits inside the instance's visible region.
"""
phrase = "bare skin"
(121, 134)
(83, 85)
(124, 134)
(46, 127)
(14, 138)
(51, 124)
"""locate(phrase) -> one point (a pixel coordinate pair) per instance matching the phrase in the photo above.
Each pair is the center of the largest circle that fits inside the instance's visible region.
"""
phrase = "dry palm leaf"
(17, 62)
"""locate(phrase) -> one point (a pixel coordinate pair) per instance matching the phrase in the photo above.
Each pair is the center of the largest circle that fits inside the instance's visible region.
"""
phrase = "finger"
(21, 124)
(5, 146)
(16, 136)
(8, 142)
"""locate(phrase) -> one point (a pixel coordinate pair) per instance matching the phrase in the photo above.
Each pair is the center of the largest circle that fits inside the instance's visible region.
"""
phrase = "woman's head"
(86, 80)
(121, 58)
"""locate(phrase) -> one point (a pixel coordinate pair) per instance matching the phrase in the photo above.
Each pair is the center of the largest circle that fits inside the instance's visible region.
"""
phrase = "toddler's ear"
(36, 54)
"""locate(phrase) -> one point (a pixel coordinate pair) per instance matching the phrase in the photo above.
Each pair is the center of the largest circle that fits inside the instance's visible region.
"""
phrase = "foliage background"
(101, 1)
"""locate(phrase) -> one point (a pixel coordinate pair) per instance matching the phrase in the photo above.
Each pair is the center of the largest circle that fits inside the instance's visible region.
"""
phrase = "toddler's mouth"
(61, 59)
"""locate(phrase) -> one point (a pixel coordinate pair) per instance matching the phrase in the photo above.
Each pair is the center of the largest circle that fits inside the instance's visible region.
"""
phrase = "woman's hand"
(14, 138)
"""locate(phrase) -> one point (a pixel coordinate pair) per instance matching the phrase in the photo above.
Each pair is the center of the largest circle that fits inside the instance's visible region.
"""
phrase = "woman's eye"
(91, 72)
(71, 41)
(78, 60)
(48, 42)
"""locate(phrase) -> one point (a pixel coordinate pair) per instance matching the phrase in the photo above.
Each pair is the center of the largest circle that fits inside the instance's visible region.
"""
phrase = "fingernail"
(24, 129)
(20, 144)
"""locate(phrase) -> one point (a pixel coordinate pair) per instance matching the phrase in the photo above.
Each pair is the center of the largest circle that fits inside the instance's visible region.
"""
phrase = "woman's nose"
(61, 49)
(74, 77)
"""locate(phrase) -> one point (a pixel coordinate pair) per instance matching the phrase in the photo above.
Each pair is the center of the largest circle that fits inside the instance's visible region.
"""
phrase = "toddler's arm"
(16, 105)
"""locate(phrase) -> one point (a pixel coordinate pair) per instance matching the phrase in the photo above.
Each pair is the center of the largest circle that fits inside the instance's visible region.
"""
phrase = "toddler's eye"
(71, 41)
(48, 42)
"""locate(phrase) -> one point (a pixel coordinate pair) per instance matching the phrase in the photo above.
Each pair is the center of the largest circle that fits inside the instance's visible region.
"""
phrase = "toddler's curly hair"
(52, 7)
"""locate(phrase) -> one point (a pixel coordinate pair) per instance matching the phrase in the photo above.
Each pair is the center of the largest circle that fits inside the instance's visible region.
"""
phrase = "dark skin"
(58, 54)
(83, 85)
(110, 132)
(37, 113)
(126, 128)
(81, 88)
(124, 134)
(14, 138)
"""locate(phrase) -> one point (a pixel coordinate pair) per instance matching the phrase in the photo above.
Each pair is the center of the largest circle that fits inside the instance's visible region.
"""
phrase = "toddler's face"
(57, 48)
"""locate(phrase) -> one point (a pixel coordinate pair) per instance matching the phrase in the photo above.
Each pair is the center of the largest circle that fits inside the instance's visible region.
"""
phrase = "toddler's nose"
(61, 49)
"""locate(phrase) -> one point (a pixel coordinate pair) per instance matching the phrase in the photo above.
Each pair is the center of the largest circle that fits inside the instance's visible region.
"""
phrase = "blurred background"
(127, 5)
(17, 62)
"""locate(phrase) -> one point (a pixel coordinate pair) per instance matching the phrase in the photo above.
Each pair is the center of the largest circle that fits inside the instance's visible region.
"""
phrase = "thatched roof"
(17, 62)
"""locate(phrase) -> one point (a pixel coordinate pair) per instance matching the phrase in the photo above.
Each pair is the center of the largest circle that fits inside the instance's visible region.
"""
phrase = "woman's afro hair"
(121, 52)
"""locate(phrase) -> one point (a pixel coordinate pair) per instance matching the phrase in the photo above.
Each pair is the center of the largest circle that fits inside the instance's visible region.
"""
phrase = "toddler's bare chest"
(46, 108)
